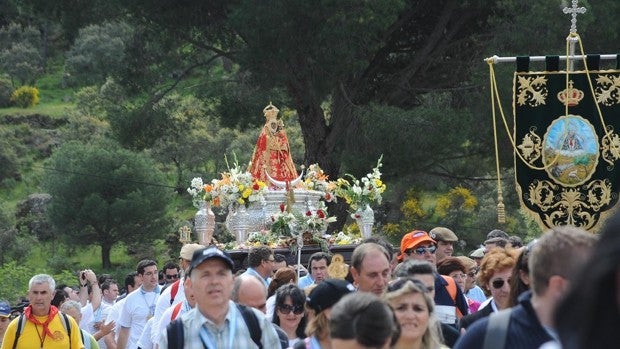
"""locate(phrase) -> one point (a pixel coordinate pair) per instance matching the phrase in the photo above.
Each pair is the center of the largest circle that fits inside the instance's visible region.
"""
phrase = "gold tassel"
(501, 209)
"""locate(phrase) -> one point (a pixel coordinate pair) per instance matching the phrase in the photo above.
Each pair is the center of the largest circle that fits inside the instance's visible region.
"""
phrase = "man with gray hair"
(554, 261)
(74, 309)
(42, 325)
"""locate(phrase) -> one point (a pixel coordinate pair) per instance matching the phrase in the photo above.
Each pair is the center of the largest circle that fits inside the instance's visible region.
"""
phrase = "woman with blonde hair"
(414, 310)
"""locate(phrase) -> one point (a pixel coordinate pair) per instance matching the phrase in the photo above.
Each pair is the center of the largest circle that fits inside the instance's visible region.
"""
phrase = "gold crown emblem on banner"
(570, 96)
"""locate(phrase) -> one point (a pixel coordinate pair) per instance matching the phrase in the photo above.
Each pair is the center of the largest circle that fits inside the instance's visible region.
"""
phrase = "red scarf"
(50, 317)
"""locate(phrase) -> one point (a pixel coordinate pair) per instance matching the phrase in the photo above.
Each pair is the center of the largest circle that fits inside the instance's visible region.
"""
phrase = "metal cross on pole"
(572, 40)
(574, 10)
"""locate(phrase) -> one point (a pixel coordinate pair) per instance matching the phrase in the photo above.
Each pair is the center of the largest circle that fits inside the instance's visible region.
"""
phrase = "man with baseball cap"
(451, 305)
(445, 242)
(5, 313)
(216, 321)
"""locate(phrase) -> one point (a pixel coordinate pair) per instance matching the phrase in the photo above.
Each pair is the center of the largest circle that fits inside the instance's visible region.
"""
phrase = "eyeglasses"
(499, 283)
(471, 274)
(287, 308)
(172, 277)
(397, 284)
(422, 250)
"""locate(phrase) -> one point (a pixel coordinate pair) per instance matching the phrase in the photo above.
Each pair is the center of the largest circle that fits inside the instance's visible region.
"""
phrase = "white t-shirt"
(163, 303)
(138, 309)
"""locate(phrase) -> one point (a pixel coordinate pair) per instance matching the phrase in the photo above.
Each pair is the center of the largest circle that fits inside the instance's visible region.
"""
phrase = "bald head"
(250, 291)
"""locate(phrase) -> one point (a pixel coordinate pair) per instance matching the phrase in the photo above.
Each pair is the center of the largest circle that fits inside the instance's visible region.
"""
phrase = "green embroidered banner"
(566, 164)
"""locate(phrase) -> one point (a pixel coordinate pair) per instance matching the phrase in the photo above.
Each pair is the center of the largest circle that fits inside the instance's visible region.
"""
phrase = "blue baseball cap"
(209, 253)
(5, 309)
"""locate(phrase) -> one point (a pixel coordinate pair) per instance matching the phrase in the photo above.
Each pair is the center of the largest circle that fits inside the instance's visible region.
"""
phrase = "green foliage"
(15, 284)
(9, 157)
(25, 96)
(6, 90)
(21, 62)
(20, 56)
(98, 52)
(103, 194)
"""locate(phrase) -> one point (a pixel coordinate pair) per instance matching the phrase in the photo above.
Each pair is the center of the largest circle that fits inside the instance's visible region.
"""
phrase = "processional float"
(564, 134)
(270, 199)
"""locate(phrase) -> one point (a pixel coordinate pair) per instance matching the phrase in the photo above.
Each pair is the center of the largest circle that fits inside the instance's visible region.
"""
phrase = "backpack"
(497, 329)
(176, 311)
(174, 289)
(21, 323)
(451, 287)
(175, 329)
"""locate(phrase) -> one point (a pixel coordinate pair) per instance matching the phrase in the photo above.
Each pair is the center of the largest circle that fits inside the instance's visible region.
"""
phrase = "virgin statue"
(272, 154)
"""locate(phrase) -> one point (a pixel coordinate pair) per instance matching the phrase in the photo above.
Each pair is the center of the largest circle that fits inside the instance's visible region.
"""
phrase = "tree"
(20, 55)
(98, 52)
(103, 194)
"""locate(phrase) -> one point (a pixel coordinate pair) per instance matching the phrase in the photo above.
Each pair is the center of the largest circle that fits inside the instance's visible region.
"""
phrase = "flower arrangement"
(316, 179)
(343, 238)
(235, 187)
(200, 191)
(288, 222)
(360, 192)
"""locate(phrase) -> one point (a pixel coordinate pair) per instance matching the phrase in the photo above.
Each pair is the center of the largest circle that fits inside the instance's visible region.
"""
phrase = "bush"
(25, 96)
(6, 90)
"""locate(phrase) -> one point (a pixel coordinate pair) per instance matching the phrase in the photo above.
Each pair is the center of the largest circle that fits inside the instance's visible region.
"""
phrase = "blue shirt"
(476, 294)
(305, 281)
(252, 271)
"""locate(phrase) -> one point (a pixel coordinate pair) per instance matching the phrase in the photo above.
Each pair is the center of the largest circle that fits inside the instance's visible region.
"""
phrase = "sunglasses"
(287, 308)
(422, 250)
(172, 277)
(499, 283)
(397, 284)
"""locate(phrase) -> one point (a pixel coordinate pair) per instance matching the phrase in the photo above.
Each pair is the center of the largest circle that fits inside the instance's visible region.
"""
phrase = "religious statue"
(272, 155)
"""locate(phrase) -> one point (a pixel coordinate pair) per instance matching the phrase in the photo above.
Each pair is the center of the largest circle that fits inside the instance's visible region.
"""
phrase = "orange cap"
(413, 239)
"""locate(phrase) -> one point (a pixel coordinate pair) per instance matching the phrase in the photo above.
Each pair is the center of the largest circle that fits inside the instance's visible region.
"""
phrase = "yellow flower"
(240, 201)
(246, 193)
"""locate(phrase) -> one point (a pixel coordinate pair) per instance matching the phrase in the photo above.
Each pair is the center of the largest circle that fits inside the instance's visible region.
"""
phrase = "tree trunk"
(105, 255)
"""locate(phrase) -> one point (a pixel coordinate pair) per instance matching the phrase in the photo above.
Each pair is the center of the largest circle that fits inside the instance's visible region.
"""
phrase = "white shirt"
(162, 304)
(166, 318)
(145, 339)
(137, 310)
(115, 315)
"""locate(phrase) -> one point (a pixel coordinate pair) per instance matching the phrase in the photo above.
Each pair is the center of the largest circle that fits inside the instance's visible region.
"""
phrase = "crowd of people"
(558, 291)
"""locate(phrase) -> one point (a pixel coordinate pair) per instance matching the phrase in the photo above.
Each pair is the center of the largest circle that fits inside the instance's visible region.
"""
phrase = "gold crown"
(570, 96)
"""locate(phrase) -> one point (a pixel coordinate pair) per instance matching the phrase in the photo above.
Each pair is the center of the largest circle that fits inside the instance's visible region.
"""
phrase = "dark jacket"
(471, 318)
(524, 329)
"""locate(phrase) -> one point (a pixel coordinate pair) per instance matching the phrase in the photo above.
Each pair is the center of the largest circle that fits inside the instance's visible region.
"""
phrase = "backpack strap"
(175, 334)
(497, 329)
(20, 328)
(451, 287)
(176, 311)
(67, 324)
(252, 322)
(174, 289)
